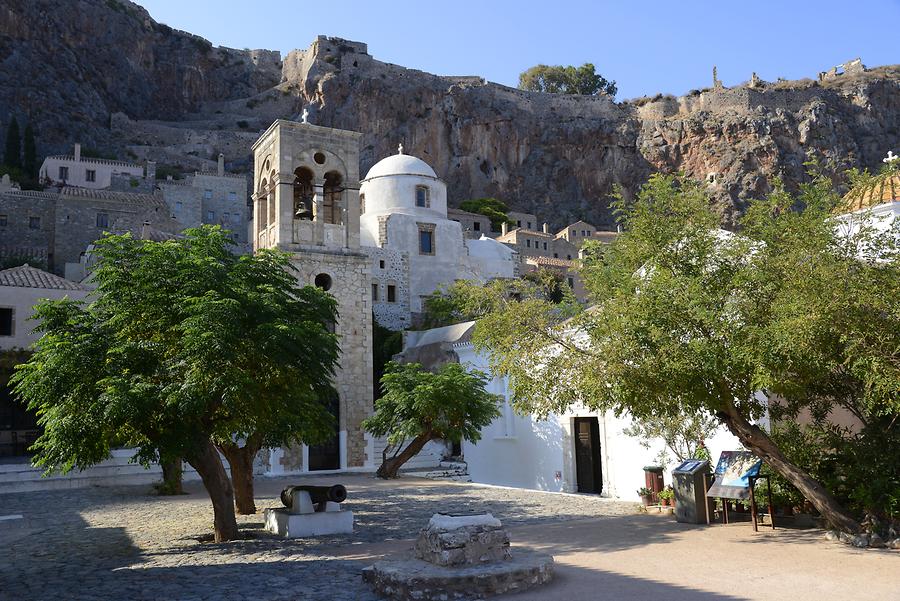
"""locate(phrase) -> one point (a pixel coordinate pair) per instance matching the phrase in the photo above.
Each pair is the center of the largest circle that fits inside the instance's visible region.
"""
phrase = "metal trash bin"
(689, 484)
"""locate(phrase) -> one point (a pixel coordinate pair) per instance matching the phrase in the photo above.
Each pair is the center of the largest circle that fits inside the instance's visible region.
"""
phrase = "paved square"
(124, 543)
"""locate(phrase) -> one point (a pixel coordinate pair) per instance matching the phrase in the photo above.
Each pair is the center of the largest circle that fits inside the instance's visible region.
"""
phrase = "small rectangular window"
(210, 216)
(518, 223)
(207, 194)
(3, 221)
(421, 196)
(375, 292)
(476, 226)
(90, 175)
(528, 243)
(34, 223)
(63, 173)
(529, 225)
(545, 246)
(6, 321)
(392, 293)
(426, 242)
(232, 196)
(555, 255)
(573, 233)
(571, 283)
(236, 217)
(178, 206)
(102, 220)
(381, 264)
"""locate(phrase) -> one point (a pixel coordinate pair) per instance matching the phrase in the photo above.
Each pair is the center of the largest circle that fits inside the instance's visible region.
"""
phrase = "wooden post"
(771, 511)
(753, 514)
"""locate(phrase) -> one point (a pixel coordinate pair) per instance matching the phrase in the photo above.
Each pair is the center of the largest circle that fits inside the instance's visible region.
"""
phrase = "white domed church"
(415, 248)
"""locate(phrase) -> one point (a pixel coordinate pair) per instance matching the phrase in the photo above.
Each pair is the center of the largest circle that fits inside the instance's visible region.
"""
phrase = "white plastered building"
(415, 248)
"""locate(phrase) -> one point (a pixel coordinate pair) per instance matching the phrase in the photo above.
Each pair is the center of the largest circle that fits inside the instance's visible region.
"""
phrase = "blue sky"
(647, 47)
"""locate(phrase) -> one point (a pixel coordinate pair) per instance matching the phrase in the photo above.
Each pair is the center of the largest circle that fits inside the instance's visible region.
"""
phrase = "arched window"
(333, 191)
(422, 197)
(263, 206)
(303, 194)
(272, 199)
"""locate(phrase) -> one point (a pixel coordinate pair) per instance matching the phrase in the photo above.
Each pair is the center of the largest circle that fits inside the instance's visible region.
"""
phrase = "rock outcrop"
(104, 72)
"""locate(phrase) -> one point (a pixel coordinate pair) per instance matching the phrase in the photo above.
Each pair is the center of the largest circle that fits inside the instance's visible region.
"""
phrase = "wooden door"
(327, 456)
(587, 455)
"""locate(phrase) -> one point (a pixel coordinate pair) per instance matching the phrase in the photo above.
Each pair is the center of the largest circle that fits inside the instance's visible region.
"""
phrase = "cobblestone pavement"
(126, 543)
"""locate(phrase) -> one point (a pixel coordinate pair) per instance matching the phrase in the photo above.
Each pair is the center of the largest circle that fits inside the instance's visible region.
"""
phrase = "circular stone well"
(410, 579)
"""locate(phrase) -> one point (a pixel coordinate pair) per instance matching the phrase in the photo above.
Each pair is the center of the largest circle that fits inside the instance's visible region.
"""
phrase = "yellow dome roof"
(880, 189)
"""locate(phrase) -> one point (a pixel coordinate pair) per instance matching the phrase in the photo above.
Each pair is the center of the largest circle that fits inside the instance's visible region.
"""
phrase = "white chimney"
(546, 228)
(221, 164)
(77, 152)
(504, 228)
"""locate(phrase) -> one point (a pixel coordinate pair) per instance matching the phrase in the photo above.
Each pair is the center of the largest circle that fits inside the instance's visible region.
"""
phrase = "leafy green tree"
(420, 406)
(12, 156)
(184, 347)
(683, 434)
(557, 79)
(690, 319)
(492, 208)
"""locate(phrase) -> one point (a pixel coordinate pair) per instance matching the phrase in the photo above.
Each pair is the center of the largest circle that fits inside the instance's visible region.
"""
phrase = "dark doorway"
(327, 456)
(587, 455)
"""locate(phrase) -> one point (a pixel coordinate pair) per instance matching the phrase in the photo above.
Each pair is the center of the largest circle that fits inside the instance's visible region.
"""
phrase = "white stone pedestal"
(297, 525)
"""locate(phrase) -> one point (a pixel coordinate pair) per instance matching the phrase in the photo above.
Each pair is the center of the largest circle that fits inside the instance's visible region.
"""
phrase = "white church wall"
(523, 452)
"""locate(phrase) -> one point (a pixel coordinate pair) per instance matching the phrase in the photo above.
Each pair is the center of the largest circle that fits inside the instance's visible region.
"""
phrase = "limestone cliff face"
(105, 72)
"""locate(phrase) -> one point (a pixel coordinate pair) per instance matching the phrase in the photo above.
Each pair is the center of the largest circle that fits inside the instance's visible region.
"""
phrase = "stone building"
(474, 225)
(85, 172)
(306, 202)
(55, 227)
(415, 247)
(218, 198)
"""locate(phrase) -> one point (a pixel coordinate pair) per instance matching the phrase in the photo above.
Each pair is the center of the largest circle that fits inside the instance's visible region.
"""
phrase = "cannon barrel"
(317, 494)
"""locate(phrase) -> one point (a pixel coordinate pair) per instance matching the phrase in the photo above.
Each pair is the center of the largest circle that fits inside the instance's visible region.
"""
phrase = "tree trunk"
(241, 461)
(208, 464)
(171, 472)
(391, 467)
(756, 440)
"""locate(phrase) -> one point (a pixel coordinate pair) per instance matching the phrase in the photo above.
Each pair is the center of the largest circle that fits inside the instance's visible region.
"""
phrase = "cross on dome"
(400, 148)
(305, 115)
(890, 158)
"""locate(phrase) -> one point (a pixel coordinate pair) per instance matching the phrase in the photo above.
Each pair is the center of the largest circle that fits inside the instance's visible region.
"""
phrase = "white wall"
(103, 171)
(22, 300)
(521, 451)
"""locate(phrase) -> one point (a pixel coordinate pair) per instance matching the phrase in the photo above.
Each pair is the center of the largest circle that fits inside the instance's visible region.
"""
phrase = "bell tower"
(306, 202)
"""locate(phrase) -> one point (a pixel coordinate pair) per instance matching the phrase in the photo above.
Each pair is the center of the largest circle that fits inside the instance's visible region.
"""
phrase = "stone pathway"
(125, 543)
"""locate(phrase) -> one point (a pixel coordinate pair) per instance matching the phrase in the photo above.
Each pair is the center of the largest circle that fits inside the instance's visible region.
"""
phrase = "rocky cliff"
(104, 72)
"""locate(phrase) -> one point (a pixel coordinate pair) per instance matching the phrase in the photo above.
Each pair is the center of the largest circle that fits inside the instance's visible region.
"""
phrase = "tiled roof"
(26, 276)
(881, 189)
(549, 261)
(95, 161)
(113, 196)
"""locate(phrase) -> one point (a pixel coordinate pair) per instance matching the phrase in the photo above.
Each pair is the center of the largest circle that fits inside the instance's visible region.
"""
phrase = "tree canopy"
(492, 208)
(558, 79)
(183, 346)
(417, 405)
(687, 318)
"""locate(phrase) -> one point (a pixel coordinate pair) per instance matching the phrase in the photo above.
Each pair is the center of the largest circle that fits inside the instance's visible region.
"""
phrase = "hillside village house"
(86, 172)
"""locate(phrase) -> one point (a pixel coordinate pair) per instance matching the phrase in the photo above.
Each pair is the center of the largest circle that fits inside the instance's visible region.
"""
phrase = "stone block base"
(415, 580)
(292, 525)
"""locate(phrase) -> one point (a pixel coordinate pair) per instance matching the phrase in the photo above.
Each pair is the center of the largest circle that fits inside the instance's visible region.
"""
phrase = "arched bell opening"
(303, 194)
(333, 192)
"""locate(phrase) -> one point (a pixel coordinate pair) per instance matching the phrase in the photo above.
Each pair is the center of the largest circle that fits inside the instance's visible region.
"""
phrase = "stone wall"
(392, 315)
(17, 238)
(350, 276)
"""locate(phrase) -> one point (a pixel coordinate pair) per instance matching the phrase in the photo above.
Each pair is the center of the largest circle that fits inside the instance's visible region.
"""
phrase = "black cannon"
(317, 494)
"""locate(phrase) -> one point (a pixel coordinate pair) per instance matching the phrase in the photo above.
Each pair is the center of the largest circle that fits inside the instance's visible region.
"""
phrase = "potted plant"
(666, 496)
(645, 494)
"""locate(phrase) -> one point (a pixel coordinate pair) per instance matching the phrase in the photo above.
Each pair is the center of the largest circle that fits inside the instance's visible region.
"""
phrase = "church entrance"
(588, 472)
(327, 456)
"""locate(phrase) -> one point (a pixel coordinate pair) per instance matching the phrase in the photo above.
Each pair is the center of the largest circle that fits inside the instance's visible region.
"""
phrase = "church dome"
(400, 164)
(873, 191)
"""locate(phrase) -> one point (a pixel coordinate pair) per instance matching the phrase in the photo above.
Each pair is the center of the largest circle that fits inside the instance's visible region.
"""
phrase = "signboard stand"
(737, 473)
